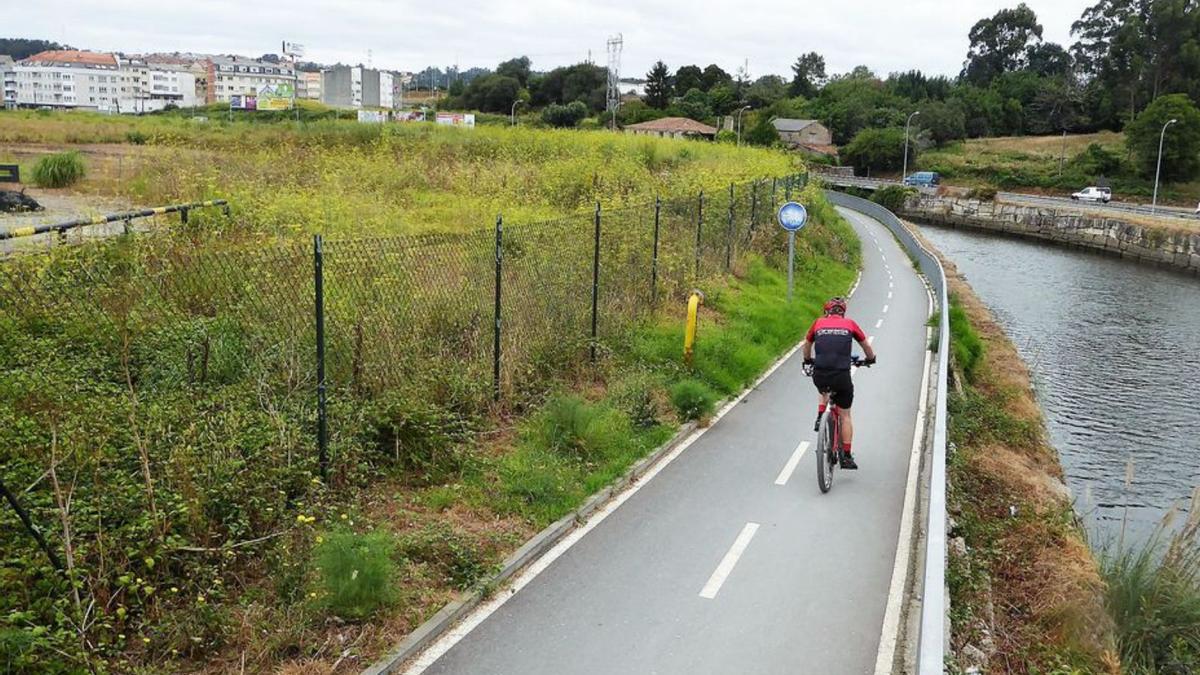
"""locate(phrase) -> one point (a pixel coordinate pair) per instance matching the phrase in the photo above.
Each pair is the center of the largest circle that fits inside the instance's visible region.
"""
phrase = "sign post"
(792, 217)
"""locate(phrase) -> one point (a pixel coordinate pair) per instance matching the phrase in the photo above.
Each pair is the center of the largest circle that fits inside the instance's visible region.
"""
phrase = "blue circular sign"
(792, 216)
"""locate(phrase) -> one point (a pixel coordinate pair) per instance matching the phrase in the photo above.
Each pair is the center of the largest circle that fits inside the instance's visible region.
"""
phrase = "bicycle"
(829, 437)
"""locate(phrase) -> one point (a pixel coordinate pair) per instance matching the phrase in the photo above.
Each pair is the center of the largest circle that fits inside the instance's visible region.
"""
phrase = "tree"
(765, 91)
(490, 93)
(585, 82)
(689, 77)
(1056, 106)
(1000, 44)
(876, 149)
(21, 48)
(1049, 59)
(693, 105)
(763, 132)
(723, 99)
(714, 77)
(916, 86)
(658, 86)
(808, 75)
(517, 68)
(1180, 145)
(945, 122)
(1135, 50)
(567, 115)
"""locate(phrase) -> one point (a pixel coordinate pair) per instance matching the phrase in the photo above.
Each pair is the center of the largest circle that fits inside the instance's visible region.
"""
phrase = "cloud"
(884, 35)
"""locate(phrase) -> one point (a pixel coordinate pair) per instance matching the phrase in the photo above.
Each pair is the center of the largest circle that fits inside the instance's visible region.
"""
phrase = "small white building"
(308, 86)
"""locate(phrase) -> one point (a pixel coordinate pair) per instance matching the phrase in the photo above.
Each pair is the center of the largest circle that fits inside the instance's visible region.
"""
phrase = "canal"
(1114, 350)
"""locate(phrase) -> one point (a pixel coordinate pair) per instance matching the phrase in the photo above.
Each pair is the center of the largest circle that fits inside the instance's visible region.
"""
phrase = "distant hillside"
(19, 48)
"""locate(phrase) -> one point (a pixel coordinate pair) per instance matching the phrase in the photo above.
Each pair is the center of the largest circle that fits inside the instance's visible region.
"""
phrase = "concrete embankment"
(1135, 237)
(1026, 593)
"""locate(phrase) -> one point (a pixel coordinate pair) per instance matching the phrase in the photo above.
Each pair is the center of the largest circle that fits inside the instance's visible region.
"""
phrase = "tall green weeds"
(59, 170)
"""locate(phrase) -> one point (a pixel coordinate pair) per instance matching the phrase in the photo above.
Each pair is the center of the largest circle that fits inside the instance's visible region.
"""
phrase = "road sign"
(792, 216)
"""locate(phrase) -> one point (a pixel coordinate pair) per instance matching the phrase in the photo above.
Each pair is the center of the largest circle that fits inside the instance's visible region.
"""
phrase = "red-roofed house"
(69, 78)
(672, 127)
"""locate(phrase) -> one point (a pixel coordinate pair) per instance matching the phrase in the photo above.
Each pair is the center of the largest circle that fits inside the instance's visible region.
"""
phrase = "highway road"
(727, 558)
(1127, 207)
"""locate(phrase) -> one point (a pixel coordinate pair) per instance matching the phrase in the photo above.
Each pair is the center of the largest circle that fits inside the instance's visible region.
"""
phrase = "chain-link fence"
(184, 359)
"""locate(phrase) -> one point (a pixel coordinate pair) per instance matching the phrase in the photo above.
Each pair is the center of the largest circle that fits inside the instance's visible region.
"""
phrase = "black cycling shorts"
(838, 383)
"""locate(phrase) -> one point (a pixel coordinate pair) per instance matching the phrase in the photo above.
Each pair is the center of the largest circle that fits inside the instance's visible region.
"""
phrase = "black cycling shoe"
(848, 461)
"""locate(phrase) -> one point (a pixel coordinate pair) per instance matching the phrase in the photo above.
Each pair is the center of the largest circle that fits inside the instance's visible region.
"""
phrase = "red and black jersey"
(833, 338)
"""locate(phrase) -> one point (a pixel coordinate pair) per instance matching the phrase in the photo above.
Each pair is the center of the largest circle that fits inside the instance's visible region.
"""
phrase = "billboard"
(410, 116)
(372, 116)
(240, 102)
(456, 119)
(279, 97)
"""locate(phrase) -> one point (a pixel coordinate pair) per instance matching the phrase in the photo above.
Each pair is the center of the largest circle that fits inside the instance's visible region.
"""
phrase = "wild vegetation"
(157, 393)
(1026, 593)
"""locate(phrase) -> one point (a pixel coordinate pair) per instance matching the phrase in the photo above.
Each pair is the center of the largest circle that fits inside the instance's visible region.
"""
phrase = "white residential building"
(69, 79)
(386, 90)
(308, 85)
(235, 75)
(8, 81)
(100, 82)
(358, 87)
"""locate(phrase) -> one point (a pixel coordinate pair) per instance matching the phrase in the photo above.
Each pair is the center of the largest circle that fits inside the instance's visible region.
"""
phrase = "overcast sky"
(886, 35)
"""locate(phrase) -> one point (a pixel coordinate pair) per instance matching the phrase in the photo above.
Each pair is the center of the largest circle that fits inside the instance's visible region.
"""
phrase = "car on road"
(923, 179)
(1093, 194)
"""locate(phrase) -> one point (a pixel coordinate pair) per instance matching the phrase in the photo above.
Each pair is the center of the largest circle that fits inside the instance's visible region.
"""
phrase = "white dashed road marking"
(879, 323)
(793, 461)
(726, 566)
(885, 308)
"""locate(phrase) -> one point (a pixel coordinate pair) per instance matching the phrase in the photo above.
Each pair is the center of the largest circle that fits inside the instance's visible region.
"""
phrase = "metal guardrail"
(869, 183)
(1068, 203)
(181, 209)
(932, 652)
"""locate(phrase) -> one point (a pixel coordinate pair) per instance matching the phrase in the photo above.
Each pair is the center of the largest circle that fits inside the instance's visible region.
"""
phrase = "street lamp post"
(739, 123)
(512, 116)
(1158, 167)
(904, 172)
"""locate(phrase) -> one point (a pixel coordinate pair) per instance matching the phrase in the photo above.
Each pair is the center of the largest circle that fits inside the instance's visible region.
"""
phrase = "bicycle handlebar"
(855, 360)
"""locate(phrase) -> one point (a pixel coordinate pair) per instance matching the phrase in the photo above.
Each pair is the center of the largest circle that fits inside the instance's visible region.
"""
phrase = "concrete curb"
(540, 543)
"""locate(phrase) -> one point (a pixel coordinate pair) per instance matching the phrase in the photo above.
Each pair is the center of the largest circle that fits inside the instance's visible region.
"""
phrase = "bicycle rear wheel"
(825, 453)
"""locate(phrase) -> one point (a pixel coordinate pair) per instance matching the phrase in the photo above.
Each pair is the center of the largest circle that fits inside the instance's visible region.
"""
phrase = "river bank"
(1026, 593)
(1128, 236)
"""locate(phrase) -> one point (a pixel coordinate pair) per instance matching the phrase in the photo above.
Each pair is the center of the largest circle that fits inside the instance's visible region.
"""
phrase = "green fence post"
(319, 297)
(496, 324)
(654, 259)
(729, 233)
(595, 283)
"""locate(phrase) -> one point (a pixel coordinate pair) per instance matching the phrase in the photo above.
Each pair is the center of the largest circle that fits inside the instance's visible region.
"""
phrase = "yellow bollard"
(689, 334)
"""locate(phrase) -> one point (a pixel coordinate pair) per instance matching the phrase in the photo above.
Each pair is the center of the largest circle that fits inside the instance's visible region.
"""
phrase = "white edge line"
(890, 632)
(727, 563)
(792, 463)
(478, 615)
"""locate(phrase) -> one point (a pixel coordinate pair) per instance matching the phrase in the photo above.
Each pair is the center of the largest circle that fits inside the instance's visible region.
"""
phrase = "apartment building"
(358, 87)
(8, 81)
(308, 85)
(237, 76)
(69, 79)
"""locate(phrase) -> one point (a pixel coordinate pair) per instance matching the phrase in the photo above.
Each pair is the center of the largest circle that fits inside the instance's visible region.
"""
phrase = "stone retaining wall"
(1176, 249)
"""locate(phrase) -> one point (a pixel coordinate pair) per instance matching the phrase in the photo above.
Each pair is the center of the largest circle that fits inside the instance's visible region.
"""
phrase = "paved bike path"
(808, 591)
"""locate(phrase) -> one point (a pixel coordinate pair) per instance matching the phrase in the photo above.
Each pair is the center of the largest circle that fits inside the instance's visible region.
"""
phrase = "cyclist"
(833, 336)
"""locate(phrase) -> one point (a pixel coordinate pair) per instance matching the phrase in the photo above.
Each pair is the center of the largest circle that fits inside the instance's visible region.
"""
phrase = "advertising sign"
(372, 116)
(410, 116)
(240, 102)
(456, 119)
(279, 97)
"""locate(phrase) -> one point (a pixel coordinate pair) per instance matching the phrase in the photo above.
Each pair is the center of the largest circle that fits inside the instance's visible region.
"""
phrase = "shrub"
(693, 400)
(966, 346)
(876, 149)
(567, 115)
(136, 137)
(571, 426)
(58, 170)
(1154, 599)
(983, 194)
(450, 552)
(892, 197)
(420, 438)
(356, 572)
(726, 136)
